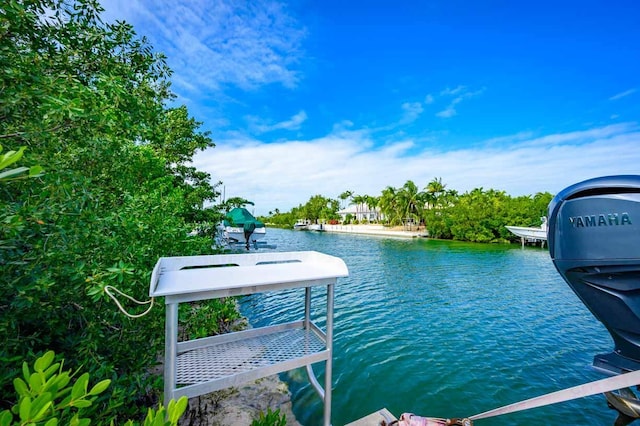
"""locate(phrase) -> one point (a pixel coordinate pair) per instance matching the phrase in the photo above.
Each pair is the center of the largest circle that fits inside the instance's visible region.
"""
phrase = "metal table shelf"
(200, 366)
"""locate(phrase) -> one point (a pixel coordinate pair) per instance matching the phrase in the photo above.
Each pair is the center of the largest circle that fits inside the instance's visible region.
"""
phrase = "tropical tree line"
(479, 215)
(317, 209)
(88, 101)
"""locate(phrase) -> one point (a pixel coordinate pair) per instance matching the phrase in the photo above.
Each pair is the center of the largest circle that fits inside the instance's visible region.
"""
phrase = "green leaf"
(8, 174)
(75, 420)
(21, 387)
(40, 406)
(177, 410)
(25, 371)
(80, 403)
(35, 171)
(52, 422)
(44, 361)
(80, 387)
(36, 382)
(24, 409)
(100, 387)
(6, 418)
(11, 157)
(159, 418)
(61, 381)
(51, 370)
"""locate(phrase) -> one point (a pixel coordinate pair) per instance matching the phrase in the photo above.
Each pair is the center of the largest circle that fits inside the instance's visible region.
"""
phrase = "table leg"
(307, 307)
(170, 351)
(327, 379)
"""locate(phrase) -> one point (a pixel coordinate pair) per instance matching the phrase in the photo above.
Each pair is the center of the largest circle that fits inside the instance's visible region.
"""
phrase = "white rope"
(587, 389)
(150, 302)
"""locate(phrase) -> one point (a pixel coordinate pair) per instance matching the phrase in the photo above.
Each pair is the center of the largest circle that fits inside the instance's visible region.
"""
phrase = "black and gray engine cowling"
(594, 242)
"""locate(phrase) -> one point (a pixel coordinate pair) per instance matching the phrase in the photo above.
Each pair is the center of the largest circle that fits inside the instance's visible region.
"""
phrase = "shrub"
(271, 418)
(47, 396)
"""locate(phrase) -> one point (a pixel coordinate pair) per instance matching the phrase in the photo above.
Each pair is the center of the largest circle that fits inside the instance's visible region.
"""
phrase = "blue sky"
(319, 97)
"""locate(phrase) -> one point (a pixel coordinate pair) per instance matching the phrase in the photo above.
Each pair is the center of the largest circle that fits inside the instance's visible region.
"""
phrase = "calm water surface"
(443, 329)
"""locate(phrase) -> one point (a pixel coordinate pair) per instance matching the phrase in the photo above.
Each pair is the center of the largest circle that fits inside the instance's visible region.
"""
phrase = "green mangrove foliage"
(47, 395)
(88, 101)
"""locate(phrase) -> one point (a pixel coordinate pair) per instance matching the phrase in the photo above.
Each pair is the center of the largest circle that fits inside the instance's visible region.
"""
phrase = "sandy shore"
(398, 231)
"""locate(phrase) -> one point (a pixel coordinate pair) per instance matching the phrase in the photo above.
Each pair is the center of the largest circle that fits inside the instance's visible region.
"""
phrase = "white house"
(360, 212)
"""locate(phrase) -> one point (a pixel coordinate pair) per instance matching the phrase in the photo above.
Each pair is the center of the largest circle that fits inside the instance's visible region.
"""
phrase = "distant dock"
(374, 230)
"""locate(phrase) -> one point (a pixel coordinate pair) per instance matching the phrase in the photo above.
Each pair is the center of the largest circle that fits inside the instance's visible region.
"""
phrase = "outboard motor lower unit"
(594, 241)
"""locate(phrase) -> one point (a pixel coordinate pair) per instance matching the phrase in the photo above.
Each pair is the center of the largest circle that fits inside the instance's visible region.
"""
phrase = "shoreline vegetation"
(479, 215)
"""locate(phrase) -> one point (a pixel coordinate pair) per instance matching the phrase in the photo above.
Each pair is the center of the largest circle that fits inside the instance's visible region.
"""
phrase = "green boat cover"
(240, 217)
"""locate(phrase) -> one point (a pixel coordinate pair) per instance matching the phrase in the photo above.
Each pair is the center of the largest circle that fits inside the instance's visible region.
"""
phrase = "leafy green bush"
(47, 396)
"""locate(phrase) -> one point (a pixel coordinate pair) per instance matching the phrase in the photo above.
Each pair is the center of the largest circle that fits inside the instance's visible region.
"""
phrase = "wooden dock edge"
(374, 419)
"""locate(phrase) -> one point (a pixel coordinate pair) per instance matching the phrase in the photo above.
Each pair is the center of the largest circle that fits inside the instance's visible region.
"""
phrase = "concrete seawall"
(379, 230)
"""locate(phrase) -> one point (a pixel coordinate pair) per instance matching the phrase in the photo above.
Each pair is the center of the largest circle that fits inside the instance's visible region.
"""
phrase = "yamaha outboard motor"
(594, 241)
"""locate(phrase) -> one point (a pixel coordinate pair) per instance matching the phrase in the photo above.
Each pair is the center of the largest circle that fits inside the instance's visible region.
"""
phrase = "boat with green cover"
(241, 227)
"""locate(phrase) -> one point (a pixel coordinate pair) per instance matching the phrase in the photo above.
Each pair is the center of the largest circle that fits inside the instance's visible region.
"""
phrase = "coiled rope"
(108, 288)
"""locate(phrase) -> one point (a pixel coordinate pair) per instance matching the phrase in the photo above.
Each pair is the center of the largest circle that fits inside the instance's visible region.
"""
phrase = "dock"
(374, 419)
(378, 230)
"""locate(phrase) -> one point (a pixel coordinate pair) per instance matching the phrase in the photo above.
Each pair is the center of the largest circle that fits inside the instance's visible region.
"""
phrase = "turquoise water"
(443, 329)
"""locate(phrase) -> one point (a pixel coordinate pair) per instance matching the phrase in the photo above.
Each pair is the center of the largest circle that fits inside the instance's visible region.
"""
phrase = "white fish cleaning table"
(200, 366)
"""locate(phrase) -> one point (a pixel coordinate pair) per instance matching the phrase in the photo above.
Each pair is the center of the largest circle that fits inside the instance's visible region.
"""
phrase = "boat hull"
(538, 234)
(236, 234)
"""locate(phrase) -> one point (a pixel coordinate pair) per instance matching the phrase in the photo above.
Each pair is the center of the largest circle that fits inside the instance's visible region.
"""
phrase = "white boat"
(531, 234)
(301, 225)
(236, 234)
(319, 227)
(240, 228)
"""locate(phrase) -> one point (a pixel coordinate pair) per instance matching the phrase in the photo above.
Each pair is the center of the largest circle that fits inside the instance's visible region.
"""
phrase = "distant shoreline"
(378, 230)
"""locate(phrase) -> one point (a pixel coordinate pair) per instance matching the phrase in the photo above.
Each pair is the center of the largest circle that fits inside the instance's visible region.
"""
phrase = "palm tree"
(411, 201)
(345, 196)
(372, 202)
(435, 189)
(358, 200)
(388, 203)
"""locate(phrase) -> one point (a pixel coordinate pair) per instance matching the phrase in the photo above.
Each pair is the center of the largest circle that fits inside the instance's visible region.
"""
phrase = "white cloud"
(520, 136)
(579, 136)
(460, 93)
(454, 91)
(429, 99)
(210, 45)
(285, 174)
(294, 123)
(622, 94)
(447, 112)
(412, 111)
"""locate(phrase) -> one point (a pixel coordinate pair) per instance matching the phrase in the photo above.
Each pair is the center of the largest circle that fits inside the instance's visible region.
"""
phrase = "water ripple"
(443, 329)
